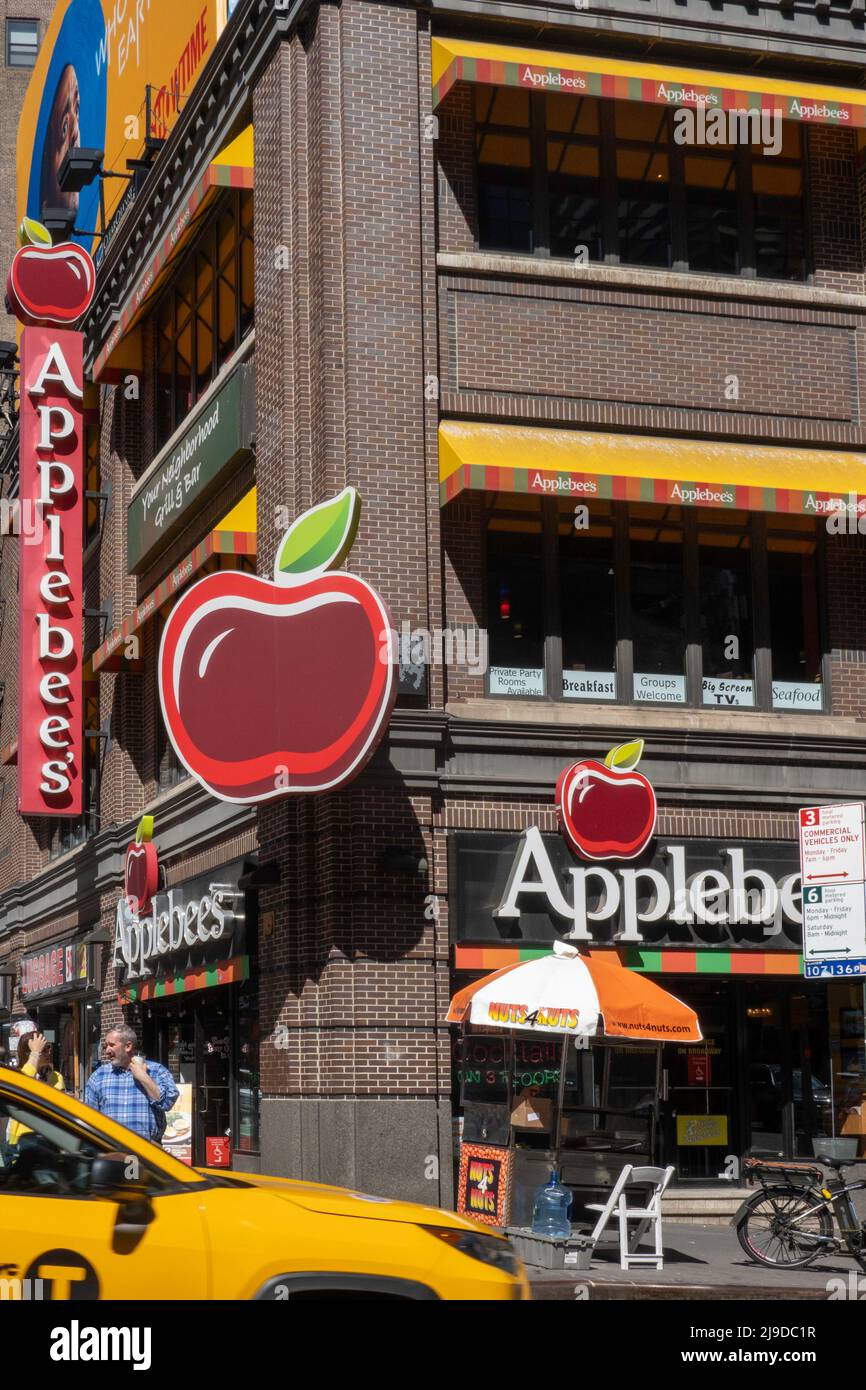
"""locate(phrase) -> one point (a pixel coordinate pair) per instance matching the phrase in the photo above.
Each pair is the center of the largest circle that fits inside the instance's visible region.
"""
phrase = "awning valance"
(232, 168)
(235, 535)
(581, 466)
(456, 60)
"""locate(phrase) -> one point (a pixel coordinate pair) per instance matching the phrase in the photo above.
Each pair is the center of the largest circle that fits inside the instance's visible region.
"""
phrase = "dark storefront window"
(725, 589)
(654, 605)
(515, 590)
(593, 179)
(657, 586)
(205, 313)
(587, 584)
(794, 589)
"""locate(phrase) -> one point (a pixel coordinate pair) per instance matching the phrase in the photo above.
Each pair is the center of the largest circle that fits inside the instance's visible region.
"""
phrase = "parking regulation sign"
(833, 867)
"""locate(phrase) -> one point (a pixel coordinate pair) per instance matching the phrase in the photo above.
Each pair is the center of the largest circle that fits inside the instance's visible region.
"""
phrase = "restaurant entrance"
(209, 1042)
(773, 1075)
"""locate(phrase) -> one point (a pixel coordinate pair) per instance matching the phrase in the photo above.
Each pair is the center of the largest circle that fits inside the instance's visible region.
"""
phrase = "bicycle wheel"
(784, 1228)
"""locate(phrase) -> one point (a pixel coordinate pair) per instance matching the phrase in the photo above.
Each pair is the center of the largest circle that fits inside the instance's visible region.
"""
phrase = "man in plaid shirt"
(127, 1089)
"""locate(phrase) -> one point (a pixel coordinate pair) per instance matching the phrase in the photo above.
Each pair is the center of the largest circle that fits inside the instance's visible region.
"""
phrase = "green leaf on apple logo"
(319, 539)
(626, 756)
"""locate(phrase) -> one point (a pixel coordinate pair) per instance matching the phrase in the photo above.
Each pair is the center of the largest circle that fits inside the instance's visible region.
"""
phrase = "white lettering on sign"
(50, 583)
(732, 895)
(174, 925)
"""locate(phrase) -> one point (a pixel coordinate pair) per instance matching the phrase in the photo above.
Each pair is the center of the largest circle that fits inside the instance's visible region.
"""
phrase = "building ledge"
(692, 284)
(649, 719)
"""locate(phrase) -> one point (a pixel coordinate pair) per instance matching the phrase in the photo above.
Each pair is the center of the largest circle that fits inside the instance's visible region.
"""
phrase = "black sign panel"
(731, 881)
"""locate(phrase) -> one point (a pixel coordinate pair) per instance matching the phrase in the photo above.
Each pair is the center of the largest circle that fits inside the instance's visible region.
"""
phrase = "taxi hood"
(345, 1201)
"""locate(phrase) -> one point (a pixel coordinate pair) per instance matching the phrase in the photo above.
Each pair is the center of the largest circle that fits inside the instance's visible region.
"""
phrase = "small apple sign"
(607, 811)
(275, 687)
(141, 869)
(48, 284)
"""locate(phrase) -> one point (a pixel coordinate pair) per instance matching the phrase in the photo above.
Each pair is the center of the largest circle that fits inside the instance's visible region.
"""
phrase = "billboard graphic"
(89, 86)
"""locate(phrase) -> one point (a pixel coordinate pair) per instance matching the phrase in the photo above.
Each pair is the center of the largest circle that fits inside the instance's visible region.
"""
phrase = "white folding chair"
(646, 1216)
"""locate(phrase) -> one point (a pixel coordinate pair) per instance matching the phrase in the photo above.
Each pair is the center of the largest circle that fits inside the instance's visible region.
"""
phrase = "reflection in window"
(205, 313)
(712, 213)
(588, 603)
(643, 186)
(502, 145)
(727, 642)
(794, 619)
(573, 176)
(515, 591)
(657, 610)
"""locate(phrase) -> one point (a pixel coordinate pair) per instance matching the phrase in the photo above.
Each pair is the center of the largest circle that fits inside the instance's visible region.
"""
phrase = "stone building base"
(390, 1148)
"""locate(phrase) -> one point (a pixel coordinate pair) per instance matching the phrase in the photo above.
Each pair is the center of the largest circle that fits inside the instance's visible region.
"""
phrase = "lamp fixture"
(396, 860)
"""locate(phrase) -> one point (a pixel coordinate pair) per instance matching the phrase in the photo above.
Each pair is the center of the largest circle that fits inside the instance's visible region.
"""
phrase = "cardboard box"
(532, 1112)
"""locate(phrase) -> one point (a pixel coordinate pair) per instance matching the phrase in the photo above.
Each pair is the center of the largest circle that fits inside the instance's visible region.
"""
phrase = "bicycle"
(789, 1223)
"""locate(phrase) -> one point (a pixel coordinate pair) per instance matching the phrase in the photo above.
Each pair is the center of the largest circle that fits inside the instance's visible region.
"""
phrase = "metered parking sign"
(834, 892)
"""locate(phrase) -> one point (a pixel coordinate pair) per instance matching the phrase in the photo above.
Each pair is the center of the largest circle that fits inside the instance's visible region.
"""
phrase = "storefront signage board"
(208, 448)
(191, 922)
(56, 969)
(833, 864)
(483, 1184)
(530, 890)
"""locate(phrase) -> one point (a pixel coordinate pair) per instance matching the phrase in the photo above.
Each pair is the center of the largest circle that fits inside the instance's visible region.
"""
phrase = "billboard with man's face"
(89, 89)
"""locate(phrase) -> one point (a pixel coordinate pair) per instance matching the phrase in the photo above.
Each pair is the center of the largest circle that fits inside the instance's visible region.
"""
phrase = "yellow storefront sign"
(701, 1129)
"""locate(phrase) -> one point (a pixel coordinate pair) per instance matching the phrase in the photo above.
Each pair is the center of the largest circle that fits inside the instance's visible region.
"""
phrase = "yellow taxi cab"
(90, 1210)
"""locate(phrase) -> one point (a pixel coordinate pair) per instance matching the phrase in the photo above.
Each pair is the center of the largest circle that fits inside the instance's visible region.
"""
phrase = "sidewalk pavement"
(701, 1262)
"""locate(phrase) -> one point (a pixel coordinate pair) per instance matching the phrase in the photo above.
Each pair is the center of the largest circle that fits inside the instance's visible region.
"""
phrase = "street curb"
(561, 1290)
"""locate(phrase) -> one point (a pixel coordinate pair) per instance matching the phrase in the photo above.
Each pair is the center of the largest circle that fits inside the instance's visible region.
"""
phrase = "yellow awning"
(231, 168)
(456, 60)
(641, 468)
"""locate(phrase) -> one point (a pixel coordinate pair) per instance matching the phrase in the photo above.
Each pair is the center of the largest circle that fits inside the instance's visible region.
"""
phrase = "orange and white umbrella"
(573, 995)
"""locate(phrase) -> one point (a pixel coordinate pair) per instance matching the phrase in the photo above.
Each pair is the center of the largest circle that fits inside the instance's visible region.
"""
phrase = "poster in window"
(177, 1139)
(483, 1189)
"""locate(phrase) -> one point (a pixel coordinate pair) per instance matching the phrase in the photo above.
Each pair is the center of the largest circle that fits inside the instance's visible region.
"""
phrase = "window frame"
(606, 142)
(691, 519)
(21, 20)
(206, 245)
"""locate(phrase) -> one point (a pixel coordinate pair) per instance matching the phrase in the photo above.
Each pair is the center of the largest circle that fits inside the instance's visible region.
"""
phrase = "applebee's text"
(173, 926)
(727, 896)
(51, 468)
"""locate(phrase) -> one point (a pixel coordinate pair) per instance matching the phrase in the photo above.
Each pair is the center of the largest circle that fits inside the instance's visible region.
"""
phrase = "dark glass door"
(699, 1117)
(213, 1093)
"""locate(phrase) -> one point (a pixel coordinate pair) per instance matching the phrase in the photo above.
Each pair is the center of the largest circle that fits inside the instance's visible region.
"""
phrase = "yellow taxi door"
(83, 1248)
(61, 1240)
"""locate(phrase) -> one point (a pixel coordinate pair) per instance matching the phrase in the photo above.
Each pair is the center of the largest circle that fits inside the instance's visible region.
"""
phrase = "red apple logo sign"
(48, 284)
(607, 811)
(272, 687)
(141, 868)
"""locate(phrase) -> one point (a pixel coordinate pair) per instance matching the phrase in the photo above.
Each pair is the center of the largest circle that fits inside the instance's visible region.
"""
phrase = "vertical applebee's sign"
(274, 687)
(48, 287)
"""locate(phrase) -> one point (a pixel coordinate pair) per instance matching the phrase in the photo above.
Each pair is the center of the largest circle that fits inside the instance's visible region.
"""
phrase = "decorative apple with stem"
(48, 284)
(141, 869)
(607, 811)
(270, 688)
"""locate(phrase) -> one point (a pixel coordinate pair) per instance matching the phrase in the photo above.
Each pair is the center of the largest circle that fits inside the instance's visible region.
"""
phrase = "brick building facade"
(383, 310)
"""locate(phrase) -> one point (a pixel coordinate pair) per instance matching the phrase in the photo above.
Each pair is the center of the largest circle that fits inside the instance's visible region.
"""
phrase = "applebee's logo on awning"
(273, 687)
(175, 925)
(607, 811)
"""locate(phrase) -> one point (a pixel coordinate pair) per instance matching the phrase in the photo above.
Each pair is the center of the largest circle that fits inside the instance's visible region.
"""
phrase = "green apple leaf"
(32, 233)
(626, 756)
(319, 539)
(144, 831)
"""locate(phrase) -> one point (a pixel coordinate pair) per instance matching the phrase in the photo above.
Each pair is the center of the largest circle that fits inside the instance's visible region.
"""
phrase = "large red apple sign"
(49, 284)
(269, 688)
(607, 811)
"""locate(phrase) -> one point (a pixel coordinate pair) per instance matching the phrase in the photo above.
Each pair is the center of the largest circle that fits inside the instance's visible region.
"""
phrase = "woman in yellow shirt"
(34, 1059)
